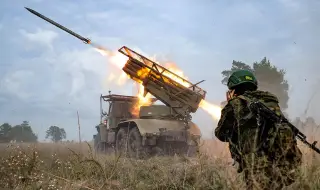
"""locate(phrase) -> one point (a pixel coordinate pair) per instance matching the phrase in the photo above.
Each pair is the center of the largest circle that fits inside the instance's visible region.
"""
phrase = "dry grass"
(73, 166)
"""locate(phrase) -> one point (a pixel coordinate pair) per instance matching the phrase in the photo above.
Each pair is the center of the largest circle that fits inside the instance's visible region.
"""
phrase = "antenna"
(79, 129)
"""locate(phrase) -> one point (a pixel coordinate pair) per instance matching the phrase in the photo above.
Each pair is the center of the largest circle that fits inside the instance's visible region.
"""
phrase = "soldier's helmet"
(242, 77)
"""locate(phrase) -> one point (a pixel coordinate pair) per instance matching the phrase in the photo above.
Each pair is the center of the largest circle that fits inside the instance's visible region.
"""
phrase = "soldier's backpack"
(276, 138)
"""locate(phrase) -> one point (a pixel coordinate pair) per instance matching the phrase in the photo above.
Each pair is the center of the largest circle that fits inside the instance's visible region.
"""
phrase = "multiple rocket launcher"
(171, 89)
(180, 95)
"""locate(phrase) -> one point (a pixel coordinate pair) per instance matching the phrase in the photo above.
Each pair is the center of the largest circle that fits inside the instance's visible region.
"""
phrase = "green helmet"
(241, 77)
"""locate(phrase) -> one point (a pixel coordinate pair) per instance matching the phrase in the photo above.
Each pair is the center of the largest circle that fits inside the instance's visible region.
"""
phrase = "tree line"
(24, 133)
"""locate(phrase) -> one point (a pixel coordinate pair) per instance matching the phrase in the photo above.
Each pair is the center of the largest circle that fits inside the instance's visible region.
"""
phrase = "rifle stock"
(265, 112)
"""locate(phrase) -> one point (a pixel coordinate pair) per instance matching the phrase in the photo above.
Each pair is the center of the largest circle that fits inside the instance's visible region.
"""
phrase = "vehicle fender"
(153, 126)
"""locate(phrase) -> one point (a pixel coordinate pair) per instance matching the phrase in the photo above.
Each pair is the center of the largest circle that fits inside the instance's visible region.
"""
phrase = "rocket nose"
(28, 9)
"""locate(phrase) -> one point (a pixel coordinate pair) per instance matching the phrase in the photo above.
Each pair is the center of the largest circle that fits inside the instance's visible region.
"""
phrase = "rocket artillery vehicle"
(158, 129)
(164, 128)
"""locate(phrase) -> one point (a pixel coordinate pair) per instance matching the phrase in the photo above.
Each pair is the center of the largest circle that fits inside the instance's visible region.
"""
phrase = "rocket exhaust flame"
(119, 60)
(114, 57)
(213, 110)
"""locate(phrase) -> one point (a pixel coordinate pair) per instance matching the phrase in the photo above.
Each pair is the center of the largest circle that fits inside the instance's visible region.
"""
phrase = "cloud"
(291, 4)
(99, 15)
(15, 83)
(41, 37)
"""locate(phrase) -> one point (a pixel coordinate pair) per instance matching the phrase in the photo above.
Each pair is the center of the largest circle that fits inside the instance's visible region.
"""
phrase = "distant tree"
(23, 133)
(5, 130)
(269, 77)
(55, 133)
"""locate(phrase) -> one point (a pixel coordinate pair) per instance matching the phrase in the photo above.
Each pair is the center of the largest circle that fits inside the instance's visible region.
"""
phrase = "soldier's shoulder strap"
(274, 108)
(248, 101)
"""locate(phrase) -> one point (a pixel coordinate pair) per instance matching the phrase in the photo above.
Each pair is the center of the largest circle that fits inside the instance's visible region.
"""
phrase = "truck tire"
(97, 143)
(122, 142)
(135, 147)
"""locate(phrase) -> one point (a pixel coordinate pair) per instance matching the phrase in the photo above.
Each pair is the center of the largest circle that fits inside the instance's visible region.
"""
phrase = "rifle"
(259, 108)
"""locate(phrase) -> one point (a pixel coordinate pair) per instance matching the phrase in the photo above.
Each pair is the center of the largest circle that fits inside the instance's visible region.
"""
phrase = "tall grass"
(74, 166)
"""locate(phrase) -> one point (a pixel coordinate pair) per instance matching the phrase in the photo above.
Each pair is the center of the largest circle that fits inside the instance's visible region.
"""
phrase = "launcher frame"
(183, 99)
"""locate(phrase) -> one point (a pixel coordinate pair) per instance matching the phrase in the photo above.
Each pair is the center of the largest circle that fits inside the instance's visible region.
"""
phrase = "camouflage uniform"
(269, 165)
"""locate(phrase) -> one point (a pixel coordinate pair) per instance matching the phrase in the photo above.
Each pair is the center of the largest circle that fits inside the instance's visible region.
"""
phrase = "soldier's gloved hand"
(230, 94)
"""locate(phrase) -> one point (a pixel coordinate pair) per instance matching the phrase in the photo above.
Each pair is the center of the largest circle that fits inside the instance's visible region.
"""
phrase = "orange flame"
(143, 72)
(119, 60)
(174, 69)
(213, 110)
(143, 100)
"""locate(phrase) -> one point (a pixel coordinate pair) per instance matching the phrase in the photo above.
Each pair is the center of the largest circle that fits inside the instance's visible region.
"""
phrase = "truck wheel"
(121, 142)
(135, 147)
(95, 146)
(96, 143)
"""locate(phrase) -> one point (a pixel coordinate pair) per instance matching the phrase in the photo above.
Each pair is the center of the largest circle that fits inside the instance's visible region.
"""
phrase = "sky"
(47, 75)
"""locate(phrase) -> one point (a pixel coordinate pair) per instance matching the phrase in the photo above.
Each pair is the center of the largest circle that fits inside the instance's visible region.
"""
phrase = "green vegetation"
(19, 133)
(56, 134)
(270, 78)
(24, 133)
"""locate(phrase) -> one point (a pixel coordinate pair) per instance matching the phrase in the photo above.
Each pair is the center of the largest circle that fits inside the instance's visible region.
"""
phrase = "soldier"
(268, 157)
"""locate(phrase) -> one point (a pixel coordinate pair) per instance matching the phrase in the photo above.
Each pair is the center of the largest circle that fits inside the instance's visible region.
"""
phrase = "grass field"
(74, 166)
